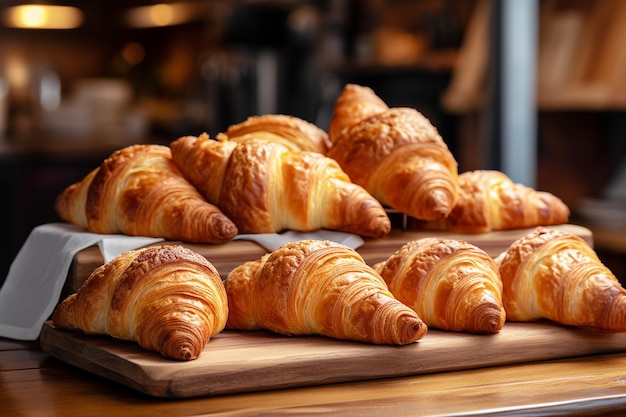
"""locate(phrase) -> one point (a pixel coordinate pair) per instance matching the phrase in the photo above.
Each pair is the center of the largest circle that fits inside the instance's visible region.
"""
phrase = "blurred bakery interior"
(536, 89)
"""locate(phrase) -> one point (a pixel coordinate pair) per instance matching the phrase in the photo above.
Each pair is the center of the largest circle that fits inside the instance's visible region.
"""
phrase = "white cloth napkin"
(38, 273)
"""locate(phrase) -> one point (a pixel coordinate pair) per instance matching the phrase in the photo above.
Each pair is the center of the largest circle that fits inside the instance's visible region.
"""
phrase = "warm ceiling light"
(43, 16)
(162, 14)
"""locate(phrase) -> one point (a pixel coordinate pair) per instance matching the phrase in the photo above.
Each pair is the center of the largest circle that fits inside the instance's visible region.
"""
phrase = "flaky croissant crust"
(557, 276)
(355, 103)
(490, 200)
(265, 188)
(451, 284)
(376, 137)
(167, 298)
(291, 131)
(138, 190)
(318, 287)
(401, 159)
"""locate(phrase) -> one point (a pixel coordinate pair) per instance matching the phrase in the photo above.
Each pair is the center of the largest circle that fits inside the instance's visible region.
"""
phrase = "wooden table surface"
(35, 384)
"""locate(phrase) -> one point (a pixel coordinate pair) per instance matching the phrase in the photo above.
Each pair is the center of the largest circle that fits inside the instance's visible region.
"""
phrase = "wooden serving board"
(227, 256)
(236, 362)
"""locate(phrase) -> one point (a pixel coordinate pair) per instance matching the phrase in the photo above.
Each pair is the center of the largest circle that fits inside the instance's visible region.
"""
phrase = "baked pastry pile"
(172, 300)
(275, 172)
(266, 188)
(399, 157)
(321, 288)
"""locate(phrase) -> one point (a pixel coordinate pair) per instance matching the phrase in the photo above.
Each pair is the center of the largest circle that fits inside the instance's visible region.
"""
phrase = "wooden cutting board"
(236, 362)
(227, 256)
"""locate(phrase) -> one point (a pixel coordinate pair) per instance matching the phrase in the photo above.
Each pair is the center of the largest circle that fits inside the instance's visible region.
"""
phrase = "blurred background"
(536, 88)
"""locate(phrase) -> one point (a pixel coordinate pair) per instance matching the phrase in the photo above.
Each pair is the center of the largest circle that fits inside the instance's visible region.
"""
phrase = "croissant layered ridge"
(399, 157)
(266, 188)
(554, 275)
(139, 191)
(354, 104)
(290, 131)
(489, 200)
(166, 298)
(451, 284)
(316, 287)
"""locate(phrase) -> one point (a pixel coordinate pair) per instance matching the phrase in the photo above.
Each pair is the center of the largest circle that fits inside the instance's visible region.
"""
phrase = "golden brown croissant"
(167, 298)
(265, 188)
(451, 284)
(317, 287)
(270, 137)
(354, 104)
(139, 191)
(291, 131)
(401, 159)
(554, 275)
(490, 200)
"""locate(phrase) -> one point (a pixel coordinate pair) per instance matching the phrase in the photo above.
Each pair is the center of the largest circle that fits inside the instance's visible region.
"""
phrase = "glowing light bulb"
(161, 14)
(32, 16)
(43, 16)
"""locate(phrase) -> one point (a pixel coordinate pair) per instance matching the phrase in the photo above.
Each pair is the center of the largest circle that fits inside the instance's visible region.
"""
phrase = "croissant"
(317, 287)
(554, 275)
(268, 136)
(291, 131)
(265, 188)
(139, 191)
(490, 200)
(166, 298)
(399, 157)
(354, 104)
(451, 284)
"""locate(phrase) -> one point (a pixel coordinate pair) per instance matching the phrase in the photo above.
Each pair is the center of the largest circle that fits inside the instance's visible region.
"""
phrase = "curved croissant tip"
(226, 230)
(438, 204)
(490, 319)
(179, 345)
(184, 352)
(493, 325)
(378, 227)
(411, 330)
